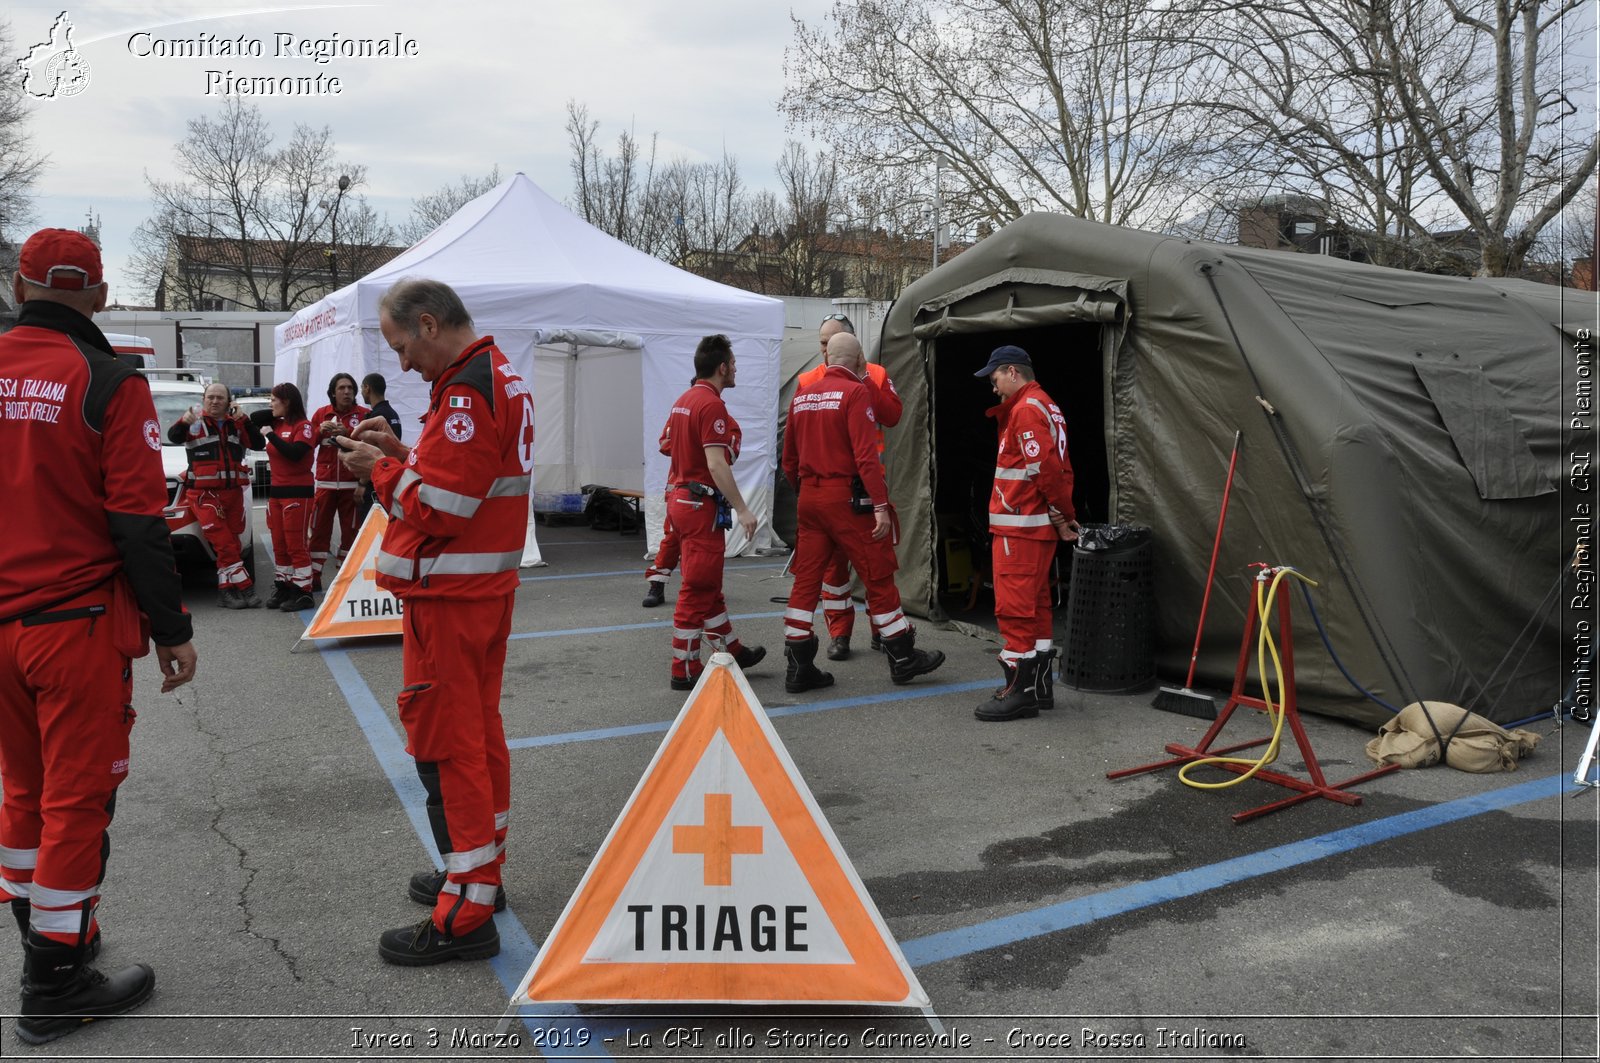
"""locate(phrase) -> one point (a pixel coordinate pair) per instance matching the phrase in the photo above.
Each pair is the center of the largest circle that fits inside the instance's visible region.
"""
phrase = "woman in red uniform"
(290, 450)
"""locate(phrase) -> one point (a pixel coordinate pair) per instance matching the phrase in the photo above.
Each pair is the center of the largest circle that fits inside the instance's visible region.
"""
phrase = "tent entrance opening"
(1069, 365)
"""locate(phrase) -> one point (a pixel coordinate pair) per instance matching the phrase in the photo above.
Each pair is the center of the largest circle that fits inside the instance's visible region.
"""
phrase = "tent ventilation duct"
(1094, 299)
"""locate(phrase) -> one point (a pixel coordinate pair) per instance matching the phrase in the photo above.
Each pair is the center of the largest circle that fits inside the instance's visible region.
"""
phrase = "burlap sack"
(1479, 745)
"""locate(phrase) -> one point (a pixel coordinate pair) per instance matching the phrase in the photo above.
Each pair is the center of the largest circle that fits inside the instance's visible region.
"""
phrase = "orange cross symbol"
(717, 840)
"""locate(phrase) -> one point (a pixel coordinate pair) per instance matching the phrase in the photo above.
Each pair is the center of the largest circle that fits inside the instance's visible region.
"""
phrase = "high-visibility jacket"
(699, 419)
(82, 479)
(330, 471)
(458, 504)
(886, 404)
(289, 456)
(830, 434)
(216, 447)
(1032, 471)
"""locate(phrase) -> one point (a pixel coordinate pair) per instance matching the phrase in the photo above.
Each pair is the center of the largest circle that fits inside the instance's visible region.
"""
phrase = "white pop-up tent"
(604, 333)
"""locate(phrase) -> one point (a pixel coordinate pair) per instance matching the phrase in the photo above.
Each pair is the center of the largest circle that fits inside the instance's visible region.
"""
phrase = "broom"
(1184, 701)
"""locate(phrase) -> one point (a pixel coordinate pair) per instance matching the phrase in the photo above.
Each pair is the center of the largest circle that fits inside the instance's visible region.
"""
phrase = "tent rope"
(1364, 608)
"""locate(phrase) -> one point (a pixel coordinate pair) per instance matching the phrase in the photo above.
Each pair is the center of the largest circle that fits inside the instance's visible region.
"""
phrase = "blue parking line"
(660, 726)
(517, 947)
(1007, 930)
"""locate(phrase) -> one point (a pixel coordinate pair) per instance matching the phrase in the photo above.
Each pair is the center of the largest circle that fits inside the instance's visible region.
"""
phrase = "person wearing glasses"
(837, 606)
(1030, 511)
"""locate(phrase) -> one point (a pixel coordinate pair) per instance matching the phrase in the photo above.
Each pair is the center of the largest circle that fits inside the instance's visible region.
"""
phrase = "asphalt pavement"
(271, 820)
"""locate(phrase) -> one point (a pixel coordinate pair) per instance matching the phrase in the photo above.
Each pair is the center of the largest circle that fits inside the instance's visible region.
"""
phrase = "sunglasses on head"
(838, 317)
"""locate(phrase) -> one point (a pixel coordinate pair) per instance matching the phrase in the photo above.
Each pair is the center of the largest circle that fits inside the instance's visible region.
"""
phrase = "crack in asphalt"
(213, 741)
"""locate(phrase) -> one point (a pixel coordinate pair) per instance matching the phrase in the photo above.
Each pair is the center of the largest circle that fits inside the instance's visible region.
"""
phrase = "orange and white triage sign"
(355, 606)
(721, 882)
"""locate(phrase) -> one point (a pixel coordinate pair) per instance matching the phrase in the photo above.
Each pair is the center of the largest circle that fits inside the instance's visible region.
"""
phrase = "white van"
(136, 351)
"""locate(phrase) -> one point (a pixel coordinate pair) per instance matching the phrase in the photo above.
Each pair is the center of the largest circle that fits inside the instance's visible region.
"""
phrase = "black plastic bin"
(1110, 611)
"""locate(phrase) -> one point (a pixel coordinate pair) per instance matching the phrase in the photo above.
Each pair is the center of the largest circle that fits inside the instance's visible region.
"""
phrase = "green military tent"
(1404, 443)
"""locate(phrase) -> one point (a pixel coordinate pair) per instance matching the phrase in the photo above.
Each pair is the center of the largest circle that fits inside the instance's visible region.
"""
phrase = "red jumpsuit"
(215, 487)
(458, 507)
(830, 438)
(1032, 475)
(837, 607)
(337, 490)
(290, 453)
(698, 420)
(667, 553)
(85, 552)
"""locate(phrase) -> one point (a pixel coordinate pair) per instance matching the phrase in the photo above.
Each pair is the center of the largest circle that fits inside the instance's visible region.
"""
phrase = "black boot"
(839, 648)
(425, 944)
(61, 992)
(425, 887)
(281, 590)
(747, 657)
(655, 593)
(906, 662)
(803, 674)
(1010, 671)
(1044, 684)
(1017, 701)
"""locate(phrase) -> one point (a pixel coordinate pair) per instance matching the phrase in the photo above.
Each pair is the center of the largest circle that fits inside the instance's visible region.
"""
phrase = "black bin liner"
(1110, 611)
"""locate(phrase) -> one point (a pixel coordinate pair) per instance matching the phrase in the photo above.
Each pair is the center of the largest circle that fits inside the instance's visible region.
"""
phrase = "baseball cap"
(1007, 355)
(61, 259)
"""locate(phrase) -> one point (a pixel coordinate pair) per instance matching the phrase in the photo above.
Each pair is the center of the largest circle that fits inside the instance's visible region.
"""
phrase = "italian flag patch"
(461, 402)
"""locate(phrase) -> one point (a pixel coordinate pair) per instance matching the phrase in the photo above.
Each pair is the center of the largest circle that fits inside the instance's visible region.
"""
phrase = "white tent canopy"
(604, 333)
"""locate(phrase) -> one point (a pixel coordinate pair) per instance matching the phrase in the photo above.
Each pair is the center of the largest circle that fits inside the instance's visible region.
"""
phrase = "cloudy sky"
(488, 85)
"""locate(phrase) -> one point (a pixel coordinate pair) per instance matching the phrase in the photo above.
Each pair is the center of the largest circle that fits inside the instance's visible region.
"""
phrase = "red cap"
(60, 258)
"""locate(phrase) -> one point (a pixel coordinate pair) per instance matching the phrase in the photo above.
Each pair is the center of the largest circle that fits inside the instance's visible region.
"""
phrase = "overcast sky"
(488, 85)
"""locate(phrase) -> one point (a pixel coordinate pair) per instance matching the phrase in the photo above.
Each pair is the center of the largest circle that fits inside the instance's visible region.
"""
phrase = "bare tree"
(20, 166)
(619, 194)
(1412, 118)
(709, 212)
(248, 225)
(1078, 106)
(430, 211)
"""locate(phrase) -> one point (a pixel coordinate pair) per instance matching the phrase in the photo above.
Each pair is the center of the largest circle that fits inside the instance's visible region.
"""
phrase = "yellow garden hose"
(1265, 646)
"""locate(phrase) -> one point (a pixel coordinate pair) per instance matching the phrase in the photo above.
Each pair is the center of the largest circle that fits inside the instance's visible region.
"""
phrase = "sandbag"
(1474, 744)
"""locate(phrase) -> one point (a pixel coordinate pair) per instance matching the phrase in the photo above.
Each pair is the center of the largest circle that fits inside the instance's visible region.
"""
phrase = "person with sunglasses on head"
(837, 606)
(1030, 511)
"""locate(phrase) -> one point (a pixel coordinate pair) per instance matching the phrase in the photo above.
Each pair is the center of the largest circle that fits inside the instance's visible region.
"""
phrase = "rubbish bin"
(1109, 611)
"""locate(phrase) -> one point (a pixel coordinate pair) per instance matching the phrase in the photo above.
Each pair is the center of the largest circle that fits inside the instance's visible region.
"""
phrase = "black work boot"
(296, 600)
(425, 887)
(1044, 684)
(877, 643)
(281, 590)
(655, 593)
(803, 674)
(425, 944)
(839, 648)
(747, 657)
(247, 596)
(906, 662)
(1010, 671)
(228, 598)
(61, 992)
(1017, 701)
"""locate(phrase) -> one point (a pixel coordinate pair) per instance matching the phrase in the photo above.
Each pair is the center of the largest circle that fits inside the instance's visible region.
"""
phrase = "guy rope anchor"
(1280, 710)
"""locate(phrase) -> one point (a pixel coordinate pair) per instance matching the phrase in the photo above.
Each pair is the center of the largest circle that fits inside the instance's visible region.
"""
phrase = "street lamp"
(333, 253)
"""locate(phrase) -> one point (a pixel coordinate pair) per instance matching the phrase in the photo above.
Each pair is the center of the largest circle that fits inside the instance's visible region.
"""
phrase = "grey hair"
(411, 297)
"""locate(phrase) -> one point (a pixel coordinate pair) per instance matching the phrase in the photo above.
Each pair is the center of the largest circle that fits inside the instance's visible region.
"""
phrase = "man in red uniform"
(667, 554)
(830, 440)
(458, 508)
(1030, 511)
(289, 451)
(337, 490)
(837, 606)
(216, 436)
(86, 574)
(705, 444)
